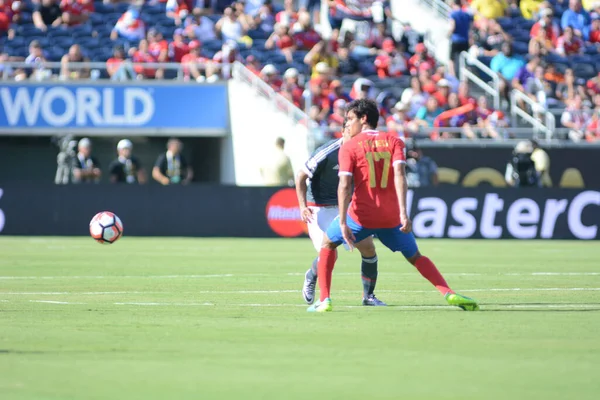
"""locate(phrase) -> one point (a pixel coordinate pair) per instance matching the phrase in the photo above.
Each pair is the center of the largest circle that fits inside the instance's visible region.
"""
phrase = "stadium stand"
(537, 62)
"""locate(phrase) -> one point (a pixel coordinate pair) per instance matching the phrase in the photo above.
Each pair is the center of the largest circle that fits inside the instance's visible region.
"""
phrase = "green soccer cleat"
(321, 306)
(460, 301)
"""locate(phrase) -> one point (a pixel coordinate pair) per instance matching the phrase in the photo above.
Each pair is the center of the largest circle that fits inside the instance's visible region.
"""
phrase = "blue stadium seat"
(521, 48)
(258, 34)
(585, 71)
(64, 42)
(213, 45)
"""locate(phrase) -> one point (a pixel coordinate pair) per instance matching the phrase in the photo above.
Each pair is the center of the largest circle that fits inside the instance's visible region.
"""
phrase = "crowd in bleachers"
(547, 49)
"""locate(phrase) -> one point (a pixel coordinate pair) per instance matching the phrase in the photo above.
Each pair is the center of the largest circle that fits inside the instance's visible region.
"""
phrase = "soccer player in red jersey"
(375, 163)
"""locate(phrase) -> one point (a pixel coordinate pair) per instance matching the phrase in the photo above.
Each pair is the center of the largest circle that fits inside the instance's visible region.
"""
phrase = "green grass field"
(224, 319)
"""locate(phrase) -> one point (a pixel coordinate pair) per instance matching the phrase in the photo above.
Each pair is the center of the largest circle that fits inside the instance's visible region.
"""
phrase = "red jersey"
(177, 50)
(369, 157)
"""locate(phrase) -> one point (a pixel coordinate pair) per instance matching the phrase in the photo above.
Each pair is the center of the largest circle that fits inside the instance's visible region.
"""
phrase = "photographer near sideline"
(86, 168)
(126, 168)
(520, 170)
(170, 167)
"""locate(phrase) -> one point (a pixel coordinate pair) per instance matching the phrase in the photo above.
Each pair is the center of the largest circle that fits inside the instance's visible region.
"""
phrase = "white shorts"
(322, 217)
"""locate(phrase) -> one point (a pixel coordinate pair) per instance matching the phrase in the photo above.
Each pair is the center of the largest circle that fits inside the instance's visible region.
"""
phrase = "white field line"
(406, 307)
(569, 289)
(288, 274)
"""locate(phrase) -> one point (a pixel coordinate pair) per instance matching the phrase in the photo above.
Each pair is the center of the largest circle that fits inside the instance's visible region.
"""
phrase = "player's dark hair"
(362, 107)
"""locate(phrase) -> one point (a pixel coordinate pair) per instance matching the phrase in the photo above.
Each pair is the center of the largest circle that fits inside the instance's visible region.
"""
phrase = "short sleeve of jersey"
(313, 165)
(346, 159)
(161, 163)
(398, 156)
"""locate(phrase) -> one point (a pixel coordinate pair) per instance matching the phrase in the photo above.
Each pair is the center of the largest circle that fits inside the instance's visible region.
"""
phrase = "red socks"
(326, 263)
(429, 271)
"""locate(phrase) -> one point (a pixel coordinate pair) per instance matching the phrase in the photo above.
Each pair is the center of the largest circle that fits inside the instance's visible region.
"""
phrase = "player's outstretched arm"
(301, 189)
(401, 189)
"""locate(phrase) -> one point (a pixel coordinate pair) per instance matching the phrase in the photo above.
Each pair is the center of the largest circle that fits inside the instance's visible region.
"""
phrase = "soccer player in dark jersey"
(375, 162)
(316, 186)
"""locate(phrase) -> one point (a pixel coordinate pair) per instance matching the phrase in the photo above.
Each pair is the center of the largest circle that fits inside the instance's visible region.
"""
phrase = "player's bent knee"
(413, 259)
(366, 248)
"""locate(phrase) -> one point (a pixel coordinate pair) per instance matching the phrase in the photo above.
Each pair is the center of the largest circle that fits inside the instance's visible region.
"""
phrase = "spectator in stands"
(85, 168)
(277, 170)
(428, 113)
(129, 26)
(541, 45)
(119, 68)
(506, 65)
(291, 88)
(575, 118)
(222, 61)
(528, 8)
(398, 121)
(282, 40)
(464, 95)
(289, 15)
(568, 44)
(177, 48)
(547, 24)
(541, 160)
(47, 13)
(575, 17)
(270, 75)
(488, 39)
(321, 56)
(10, 13)
(591, 33)
(410, 38)
(421, 170)
(566, 89)
(178, 10)
(525, 74)
(390, 62)
(194, 64)
(158, 48)
(200, 27)
(304, 34)
(320, 100)
(171, 168)
(520, 170)
(336, 92)
(231, 26)
(253, 64)
(414, 96)
(37, 59)
(363, 88)
(421, 60)
(264, 19)
(140, 56)
(460, 26)
(337, 118)
(592, 131)
(75, 12)
(74, 56)
(126, 168)
(489, 9)
(339, 10)
(442, 93)
(312, 7)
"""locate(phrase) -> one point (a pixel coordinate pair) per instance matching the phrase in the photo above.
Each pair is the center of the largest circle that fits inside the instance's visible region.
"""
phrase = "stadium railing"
(50, 71)
(467, 61)
(547, 128)
(243, 74)
(440, 7)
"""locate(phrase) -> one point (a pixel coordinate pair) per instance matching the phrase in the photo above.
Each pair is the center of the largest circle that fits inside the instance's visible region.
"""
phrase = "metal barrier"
(547, 129)
(46, 70)
(243, 74)
(440, 7)
(466, 60)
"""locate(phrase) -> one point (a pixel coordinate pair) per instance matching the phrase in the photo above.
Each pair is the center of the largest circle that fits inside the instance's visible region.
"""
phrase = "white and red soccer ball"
(106, 227)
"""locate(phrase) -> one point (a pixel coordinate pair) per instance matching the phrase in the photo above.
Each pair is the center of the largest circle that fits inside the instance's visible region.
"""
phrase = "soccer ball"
(106, 227)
